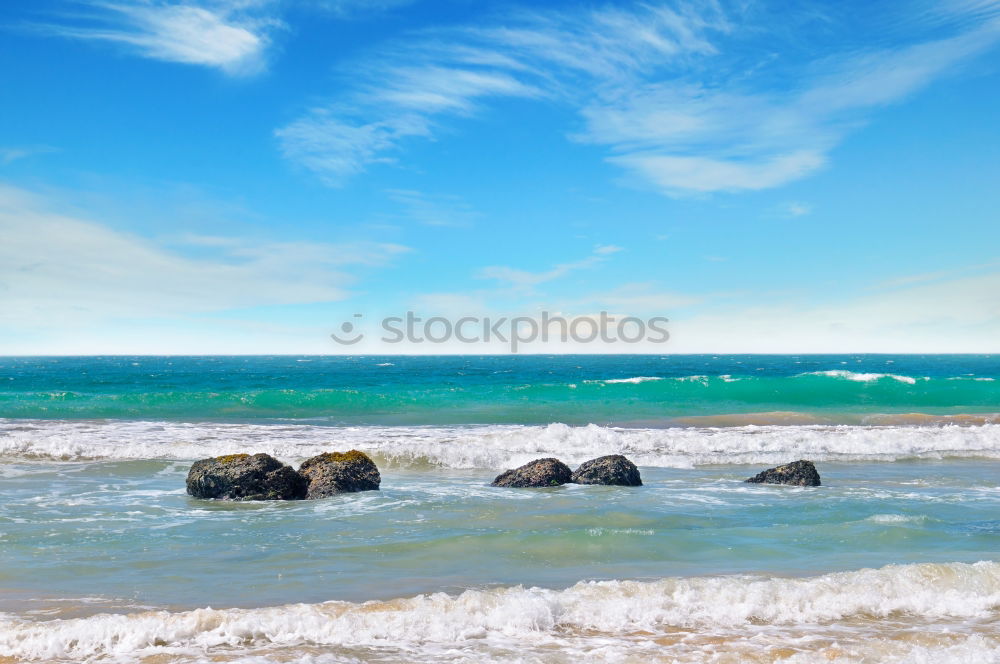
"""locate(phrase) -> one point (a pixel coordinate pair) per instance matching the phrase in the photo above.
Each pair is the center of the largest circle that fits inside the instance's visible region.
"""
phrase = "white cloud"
(701, 174)
(938, 275)
(797, 209)
(640, 298)
(231, 35)
(536, 56)
(957, 315)
(513, 285)
(336, 145)
(433, 89)
(451, 304)
(693, 137)
(10, 155)
(431, 210)
(349, 8)
(524, 282)
(336, 149)
(931, 314)
(669, 91)
(57, 269)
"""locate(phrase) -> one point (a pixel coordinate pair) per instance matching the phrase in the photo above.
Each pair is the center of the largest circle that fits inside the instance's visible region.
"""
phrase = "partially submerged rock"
(797, 473)
(537, 473)
(613, 469)
(245, 477)
(336, 472)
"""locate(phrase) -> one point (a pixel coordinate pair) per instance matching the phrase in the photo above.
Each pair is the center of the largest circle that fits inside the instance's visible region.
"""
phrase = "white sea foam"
(896, 518)
(496, 446)
(863, 377)
(943, 649)
(528, 617)
(615, 532)
(633, 380)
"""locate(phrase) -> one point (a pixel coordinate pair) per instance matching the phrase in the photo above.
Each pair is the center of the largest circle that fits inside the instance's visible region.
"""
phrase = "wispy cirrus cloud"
(796, 209)
(456, 72)
(9, 155)
(964, 318)
(721, 138)
(524, 281)
(434, 210)
(639, 298)
(681, 98)
(339, 142)
(231, 35)
(355, 7)
(888, 317)
(56, 269)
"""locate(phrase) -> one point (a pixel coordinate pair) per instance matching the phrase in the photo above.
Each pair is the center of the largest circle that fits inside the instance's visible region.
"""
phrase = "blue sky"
(243, 175)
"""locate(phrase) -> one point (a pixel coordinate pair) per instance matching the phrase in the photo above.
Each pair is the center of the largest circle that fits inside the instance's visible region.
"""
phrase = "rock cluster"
(796, 473)
(262, 477)
(613, 469)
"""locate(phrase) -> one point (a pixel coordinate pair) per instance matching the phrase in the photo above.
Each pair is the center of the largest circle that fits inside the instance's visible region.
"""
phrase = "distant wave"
(833, 373)
(895, 519)
(635, 380)
(864, 377)
(497, 446)
(735, 611)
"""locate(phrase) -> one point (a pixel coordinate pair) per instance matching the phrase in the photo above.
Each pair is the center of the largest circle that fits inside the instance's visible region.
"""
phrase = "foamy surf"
(588, 618)
(860, 377)
(635, 380)
(497, 446)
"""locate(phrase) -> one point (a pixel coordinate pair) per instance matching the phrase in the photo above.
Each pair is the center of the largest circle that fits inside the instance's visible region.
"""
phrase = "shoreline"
(719, 420)
(872, 608)
(51, 606)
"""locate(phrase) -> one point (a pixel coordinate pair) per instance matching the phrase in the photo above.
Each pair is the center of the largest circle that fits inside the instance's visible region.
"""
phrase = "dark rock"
(537, 473)
(613, 469)
(797, 473)
(335, 472)
(245, 477)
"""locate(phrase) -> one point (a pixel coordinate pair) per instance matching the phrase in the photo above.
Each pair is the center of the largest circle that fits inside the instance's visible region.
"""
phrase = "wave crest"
(924, 591)
(498, 446)
(864, 377)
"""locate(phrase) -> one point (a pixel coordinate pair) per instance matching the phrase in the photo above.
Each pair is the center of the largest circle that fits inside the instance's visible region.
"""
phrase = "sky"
(250, 176)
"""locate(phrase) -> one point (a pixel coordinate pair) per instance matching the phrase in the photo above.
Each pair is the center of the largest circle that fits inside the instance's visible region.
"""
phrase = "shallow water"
(716, 566)
(103, 557)
(126, 530)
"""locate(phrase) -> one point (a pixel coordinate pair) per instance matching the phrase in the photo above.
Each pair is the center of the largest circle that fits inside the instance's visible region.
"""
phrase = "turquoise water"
(496, 389)
(103, 557)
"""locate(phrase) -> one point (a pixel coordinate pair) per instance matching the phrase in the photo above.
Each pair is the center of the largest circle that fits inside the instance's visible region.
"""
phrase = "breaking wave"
(527, 617)
(497, 446)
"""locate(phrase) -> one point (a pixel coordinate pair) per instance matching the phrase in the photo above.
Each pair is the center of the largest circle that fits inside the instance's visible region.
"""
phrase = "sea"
(895, 558)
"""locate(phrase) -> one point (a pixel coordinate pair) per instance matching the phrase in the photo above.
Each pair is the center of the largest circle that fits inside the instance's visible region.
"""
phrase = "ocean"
(896, 558)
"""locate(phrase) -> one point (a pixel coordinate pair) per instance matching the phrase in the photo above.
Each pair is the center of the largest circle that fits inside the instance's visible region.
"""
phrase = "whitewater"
(104, 558)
